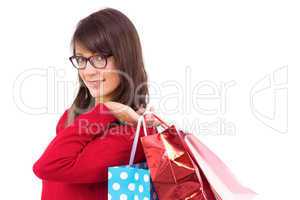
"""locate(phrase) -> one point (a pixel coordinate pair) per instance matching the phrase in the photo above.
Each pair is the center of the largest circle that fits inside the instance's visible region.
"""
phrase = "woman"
(97, 131)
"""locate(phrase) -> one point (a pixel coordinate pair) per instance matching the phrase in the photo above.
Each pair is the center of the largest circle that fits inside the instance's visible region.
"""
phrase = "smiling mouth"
(96, 82)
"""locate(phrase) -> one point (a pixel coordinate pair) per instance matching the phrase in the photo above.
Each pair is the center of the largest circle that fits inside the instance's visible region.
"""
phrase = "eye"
(80, 59)
(98, 61)
(98, 58)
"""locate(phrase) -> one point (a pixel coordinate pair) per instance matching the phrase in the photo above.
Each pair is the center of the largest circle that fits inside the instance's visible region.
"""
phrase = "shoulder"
(127, 132)
(62, 121)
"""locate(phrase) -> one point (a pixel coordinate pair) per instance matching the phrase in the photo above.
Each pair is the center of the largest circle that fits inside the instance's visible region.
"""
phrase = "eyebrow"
(80, 54)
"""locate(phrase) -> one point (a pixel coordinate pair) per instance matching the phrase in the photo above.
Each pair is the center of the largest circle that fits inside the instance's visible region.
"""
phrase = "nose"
(90, 69)
(92, 72)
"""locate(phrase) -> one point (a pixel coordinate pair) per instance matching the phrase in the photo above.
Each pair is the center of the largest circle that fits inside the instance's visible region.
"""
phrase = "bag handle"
(136, 137)
(141, 121)
(162, 123)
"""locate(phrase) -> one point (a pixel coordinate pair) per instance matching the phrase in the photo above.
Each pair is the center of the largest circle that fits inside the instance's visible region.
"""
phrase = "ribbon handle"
(162, 123)
(141, 121)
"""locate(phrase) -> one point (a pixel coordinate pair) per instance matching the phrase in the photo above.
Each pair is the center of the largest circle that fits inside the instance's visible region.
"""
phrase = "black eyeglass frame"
(88, 59)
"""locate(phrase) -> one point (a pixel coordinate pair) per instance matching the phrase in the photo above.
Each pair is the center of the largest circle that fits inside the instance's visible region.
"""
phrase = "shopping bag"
(128, 183)
(217, 173)
(173, 172)
(133, 181)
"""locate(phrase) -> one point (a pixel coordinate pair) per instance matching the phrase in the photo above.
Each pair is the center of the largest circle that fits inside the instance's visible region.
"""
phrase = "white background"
(249, 44)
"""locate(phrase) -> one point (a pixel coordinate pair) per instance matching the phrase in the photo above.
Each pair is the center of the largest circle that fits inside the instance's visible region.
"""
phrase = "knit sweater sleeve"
(83, 151)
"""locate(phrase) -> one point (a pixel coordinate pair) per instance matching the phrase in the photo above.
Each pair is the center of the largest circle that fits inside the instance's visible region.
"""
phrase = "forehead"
(82, 50)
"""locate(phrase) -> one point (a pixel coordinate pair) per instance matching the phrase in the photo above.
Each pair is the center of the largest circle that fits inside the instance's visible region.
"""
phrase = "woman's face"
(100, 82)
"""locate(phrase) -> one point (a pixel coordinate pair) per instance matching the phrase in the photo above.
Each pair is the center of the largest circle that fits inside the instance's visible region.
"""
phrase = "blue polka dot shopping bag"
(133, 181)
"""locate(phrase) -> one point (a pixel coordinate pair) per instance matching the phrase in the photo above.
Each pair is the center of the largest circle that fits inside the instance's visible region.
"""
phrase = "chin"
(96, 93)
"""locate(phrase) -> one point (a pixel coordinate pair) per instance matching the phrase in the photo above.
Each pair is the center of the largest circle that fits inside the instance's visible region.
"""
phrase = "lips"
(95, 82)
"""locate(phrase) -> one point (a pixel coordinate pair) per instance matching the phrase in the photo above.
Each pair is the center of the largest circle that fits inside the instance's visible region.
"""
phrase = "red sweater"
(74, 164)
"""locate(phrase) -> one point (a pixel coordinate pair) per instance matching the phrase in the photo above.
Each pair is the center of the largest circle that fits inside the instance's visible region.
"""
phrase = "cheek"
(81, 74)
(112, 75)
(112, 81)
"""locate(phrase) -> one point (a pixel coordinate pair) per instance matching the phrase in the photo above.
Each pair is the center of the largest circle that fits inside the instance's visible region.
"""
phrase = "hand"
(149, 118)
(127, 114)
(123, 112)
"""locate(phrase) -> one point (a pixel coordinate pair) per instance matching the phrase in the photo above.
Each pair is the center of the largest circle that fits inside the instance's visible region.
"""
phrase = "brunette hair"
(110, 32)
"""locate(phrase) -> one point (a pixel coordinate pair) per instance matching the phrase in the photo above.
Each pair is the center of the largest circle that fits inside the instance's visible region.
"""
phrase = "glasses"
(97, 61)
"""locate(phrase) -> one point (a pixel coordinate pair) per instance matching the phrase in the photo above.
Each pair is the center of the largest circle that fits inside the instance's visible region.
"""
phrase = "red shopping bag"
(217, 173)
(174, 173)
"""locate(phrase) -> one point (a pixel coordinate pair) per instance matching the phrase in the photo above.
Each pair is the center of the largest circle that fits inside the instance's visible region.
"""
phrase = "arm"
(82, 152)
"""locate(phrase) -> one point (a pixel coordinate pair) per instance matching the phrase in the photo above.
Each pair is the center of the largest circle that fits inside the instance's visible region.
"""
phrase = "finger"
(153, 122)
(156, 122)
(152, 109)
(149, 122)
(149, 117)
(140, 111)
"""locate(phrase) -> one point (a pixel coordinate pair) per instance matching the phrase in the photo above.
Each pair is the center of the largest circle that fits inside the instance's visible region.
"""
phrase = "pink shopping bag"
(217, 173)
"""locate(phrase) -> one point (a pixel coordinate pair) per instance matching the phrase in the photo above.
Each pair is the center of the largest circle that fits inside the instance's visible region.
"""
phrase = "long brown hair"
(108, 31)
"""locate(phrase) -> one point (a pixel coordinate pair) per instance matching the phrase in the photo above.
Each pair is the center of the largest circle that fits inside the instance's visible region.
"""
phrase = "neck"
(101, 99)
